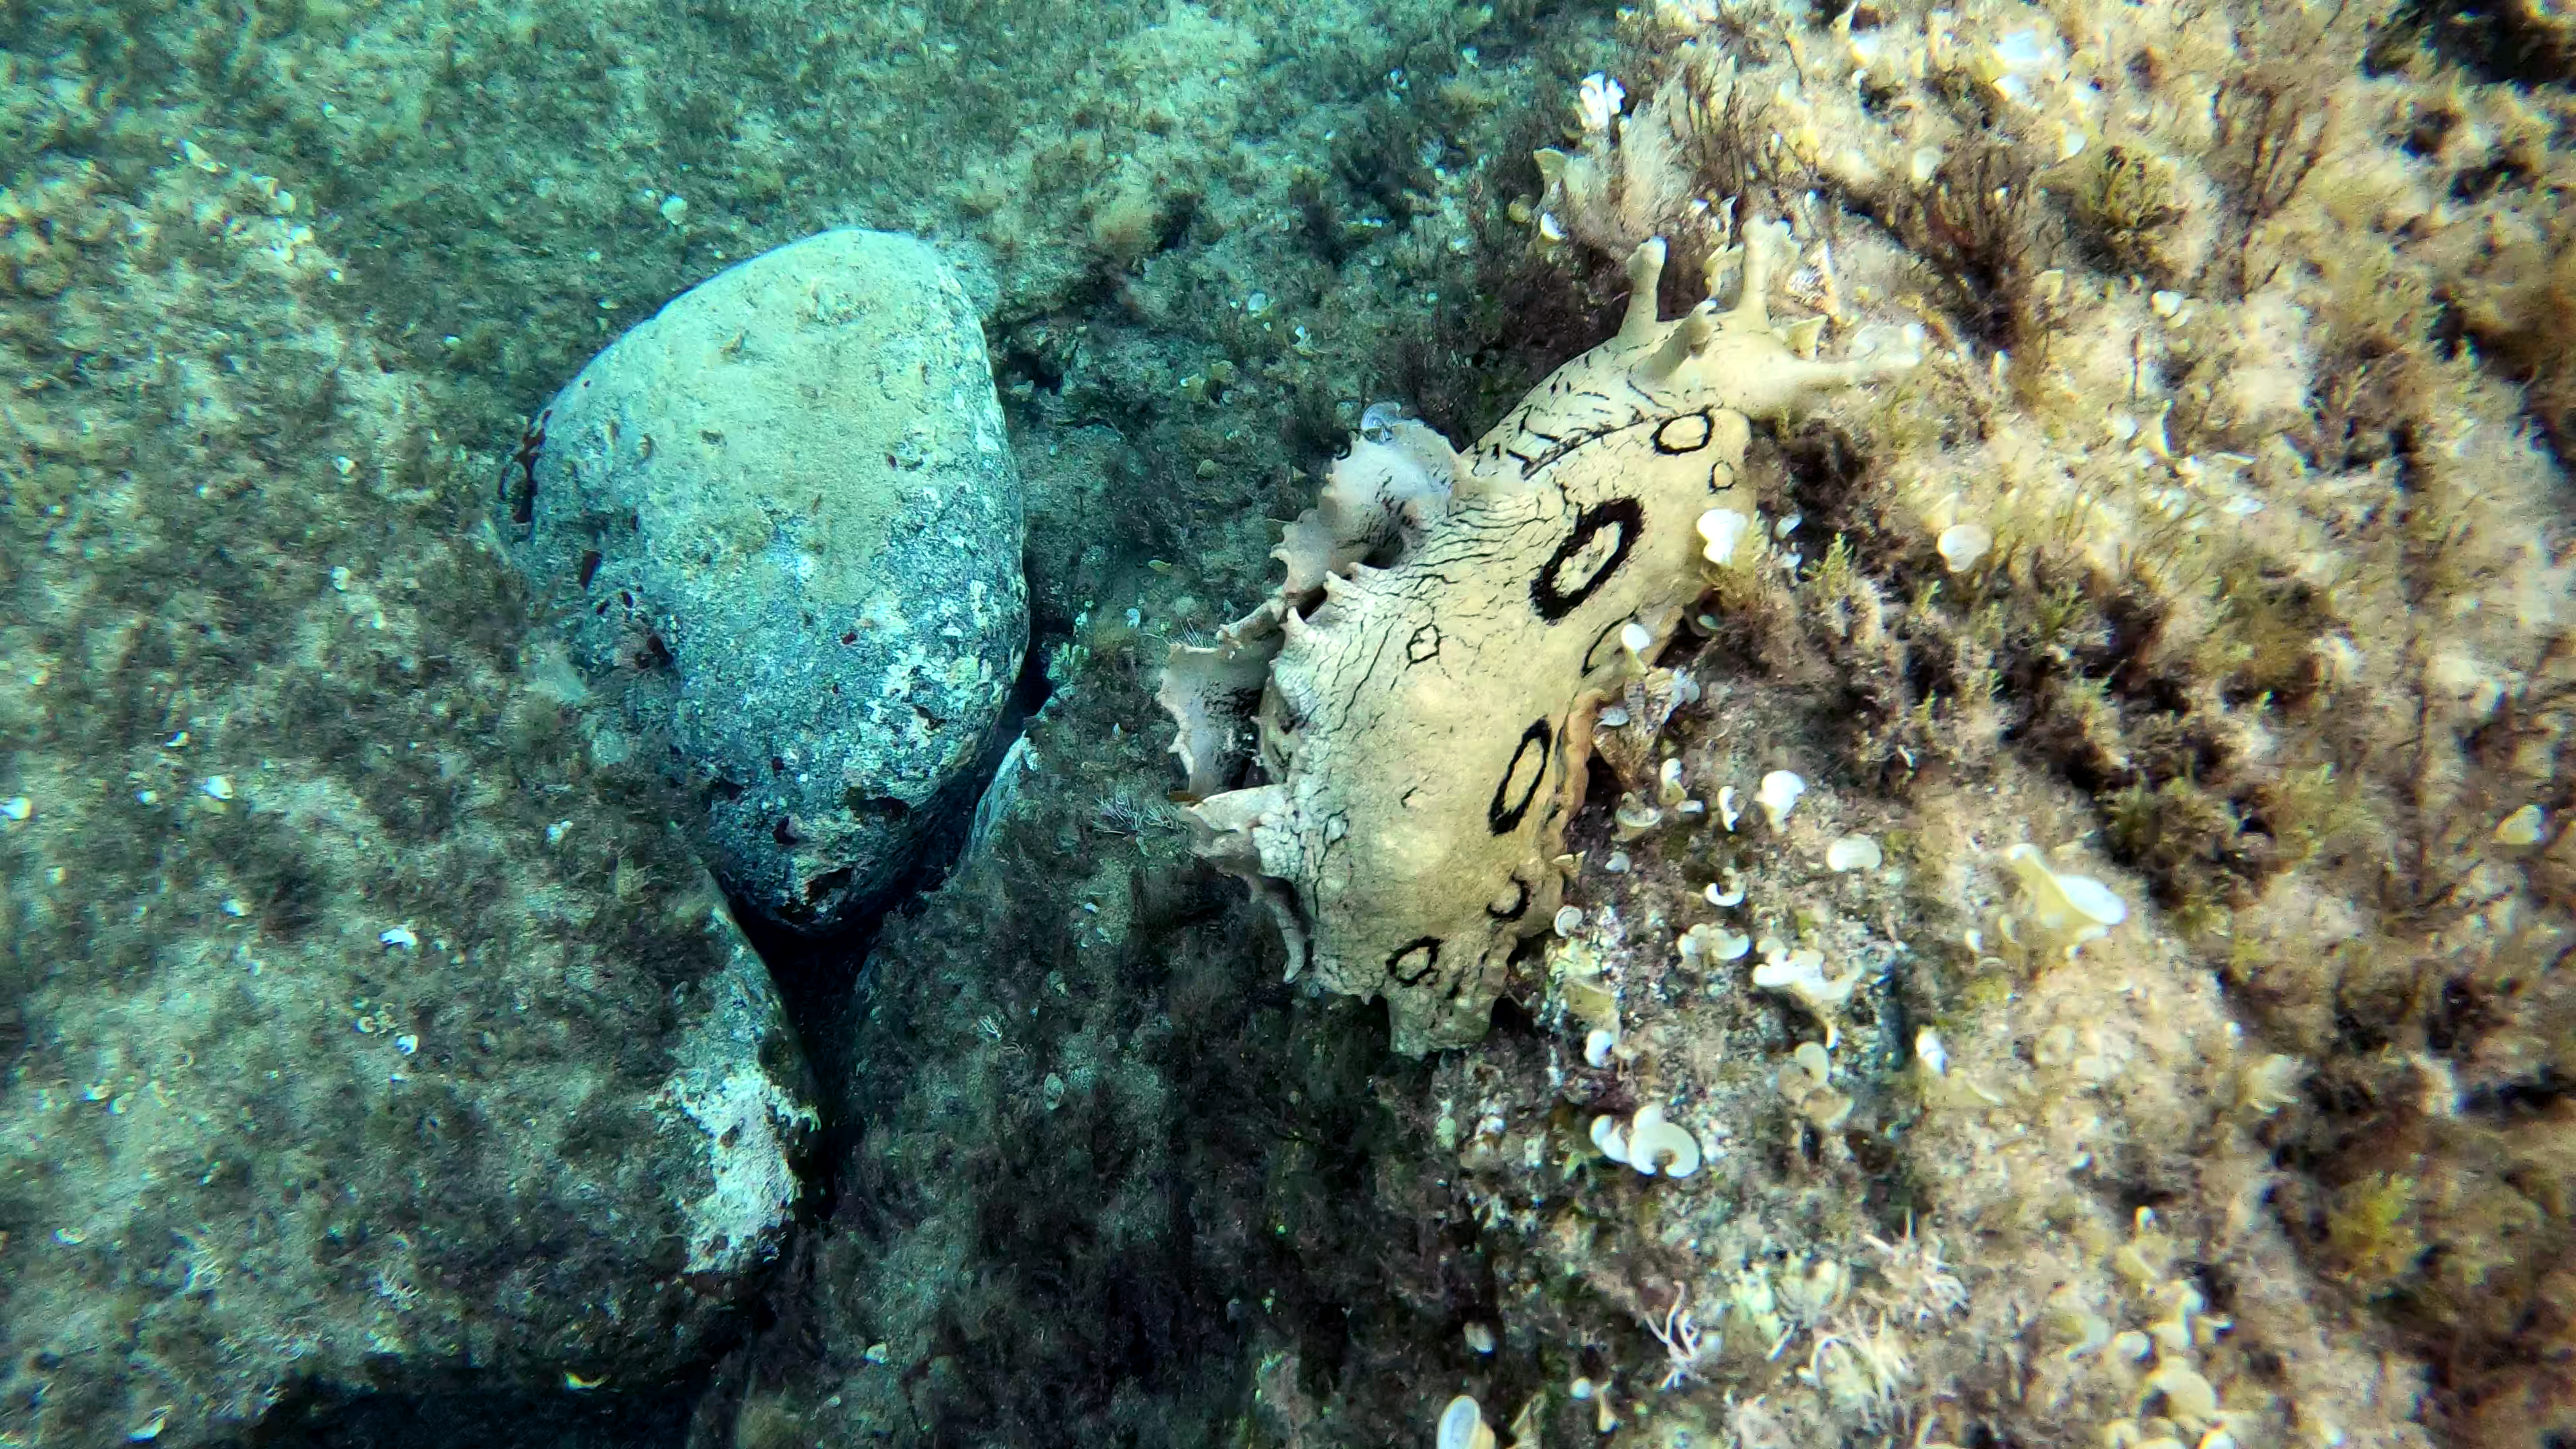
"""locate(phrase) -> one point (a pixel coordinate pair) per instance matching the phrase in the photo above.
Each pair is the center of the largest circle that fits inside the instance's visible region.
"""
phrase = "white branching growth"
(1686, 1348)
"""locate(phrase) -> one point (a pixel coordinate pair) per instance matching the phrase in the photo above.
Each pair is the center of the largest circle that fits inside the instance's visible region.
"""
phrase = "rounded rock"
(782, 525)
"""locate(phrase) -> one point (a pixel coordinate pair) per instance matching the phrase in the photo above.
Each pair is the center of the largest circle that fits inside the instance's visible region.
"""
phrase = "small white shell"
(1853, 852)
(1569, 919)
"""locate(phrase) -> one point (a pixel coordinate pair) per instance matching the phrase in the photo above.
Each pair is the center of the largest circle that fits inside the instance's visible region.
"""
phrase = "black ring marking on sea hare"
(1504, 815)
(1552, 600)
(1428, 947)
(1424, 646)
(1674, 435)
(1520, 903)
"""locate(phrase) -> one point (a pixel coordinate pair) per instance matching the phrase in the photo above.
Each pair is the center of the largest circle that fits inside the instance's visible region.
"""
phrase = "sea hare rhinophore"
(1415, 703)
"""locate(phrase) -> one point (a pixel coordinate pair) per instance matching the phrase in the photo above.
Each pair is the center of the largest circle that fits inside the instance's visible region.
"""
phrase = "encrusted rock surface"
(279, 317)
(782, 523)
(357, 1031)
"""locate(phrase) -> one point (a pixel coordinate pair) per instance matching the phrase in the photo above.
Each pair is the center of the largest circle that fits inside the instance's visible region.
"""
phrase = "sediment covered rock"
(783, 524)
(358, 1029)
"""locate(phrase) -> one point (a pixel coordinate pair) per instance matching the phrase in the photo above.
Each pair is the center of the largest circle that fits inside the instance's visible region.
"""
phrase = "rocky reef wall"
(2215, 551)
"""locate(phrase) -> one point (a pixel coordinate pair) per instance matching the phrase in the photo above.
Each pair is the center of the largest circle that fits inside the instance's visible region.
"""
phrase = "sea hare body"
(1415, 703)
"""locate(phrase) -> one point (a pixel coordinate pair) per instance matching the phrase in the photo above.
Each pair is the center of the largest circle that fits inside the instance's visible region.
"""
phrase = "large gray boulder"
(782, 523)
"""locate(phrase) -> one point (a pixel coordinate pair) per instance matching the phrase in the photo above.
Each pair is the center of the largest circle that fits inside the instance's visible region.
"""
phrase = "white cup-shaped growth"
(1779, 795)
(2074, 908)
(1962, 544)
(1610, 1138)
(1463, 1426)
(1648, 1143)
(1723, 531)
(1599, 1045)
(1800, 975)
(1657, 1145)
(1636, 638)
(1853, 852)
